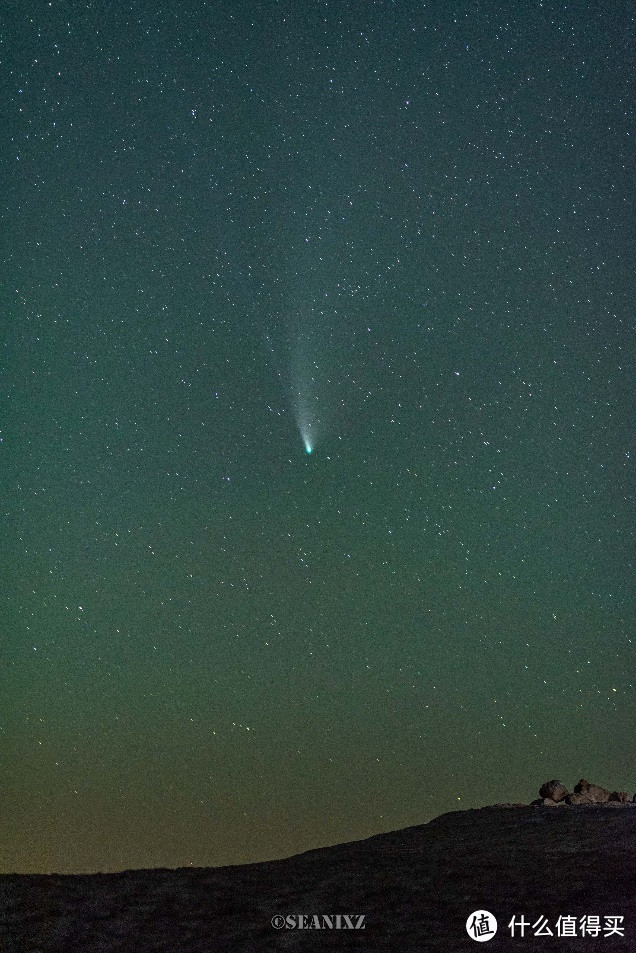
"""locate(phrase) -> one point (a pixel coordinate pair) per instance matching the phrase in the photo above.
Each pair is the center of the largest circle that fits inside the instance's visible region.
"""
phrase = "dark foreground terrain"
(415, 887)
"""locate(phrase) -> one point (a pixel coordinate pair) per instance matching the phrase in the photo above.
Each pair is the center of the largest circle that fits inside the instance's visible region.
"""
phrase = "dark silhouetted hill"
(415, 887)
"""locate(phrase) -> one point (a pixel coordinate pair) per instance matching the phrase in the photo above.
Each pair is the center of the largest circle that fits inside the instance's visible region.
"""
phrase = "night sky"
(316, 392)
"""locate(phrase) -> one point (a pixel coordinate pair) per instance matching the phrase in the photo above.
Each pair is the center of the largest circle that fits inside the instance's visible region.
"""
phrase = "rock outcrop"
(555, 794)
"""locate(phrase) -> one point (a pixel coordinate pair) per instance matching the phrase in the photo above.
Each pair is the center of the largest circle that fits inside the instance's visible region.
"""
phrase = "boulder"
(593, 793)
(554, 790)
(578, 799)
(621, 796)
(547, 802)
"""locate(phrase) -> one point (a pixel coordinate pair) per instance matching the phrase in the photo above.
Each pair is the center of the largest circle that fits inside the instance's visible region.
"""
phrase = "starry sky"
(399, 235)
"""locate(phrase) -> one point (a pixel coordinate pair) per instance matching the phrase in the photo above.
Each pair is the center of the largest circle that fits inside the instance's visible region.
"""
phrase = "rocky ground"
(416, 889)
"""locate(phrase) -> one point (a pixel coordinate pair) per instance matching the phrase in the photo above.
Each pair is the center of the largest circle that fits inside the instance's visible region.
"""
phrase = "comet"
(305, 403)
(301, 380)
